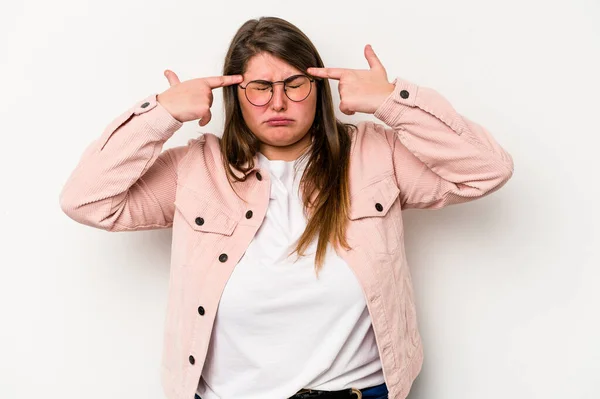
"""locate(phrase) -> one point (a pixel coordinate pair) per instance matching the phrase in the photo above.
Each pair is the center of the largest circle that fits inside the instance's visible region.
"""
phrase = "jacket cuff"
(399, 100)
(157, 117)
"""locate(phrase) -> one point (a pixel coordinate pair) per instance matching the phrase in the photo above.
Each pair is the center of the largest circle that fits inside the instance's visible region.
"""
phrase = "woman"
(246, 318)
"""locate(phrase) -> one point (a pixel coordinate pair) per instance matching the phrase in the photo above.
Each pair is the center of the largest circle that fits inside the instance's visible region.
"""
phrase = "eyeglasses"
(259, 92)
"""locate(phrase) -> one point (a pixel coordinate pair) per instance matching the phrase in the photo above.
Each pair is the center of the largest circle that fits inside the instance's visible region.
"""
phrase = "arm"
(123, 181)
(440, 157)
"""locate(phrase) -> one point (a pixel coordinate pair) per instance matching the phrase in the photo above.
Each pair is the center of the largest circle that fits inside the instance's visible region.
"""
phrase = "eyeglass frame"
(272, 84)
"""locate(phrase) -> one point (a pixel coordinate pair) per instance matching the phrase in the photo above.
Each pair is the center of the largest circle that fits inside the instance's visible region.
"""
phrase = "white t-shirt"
(278, 328)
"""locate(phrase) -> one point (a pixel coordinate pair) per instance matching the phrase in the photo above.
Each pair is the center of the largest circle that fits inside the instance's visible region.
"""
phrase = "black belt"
(349, 393)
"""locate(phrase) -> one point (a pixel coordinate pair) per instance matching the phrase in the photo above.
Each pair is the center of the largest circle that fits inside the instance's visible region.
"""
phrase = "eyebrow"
(267, 80)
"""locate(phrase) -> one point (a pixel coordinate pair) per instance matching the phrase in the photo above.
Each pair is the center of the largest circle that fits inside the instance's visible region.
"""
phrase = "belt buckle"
(354, 391)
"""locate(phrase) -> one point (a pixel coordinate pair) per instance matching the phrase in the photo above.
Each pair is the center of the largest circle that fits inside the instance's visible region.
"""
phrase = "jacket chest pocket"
(376, 218)
(200, 226)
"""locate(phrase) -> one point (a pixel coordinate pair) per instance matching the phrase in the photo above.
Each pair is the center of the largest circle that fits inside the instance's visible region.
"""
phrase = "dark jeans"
(376, 392)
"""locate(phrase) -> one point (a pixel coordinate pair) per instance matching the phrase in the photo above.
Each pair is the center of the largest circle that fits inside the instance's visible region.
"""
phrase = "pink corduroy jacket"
(424, 155)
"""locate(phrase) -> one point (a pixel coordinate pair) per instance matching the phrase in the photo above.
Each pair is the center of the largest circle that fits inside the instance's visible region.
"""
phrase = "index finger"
(221, 81)
(331, 73)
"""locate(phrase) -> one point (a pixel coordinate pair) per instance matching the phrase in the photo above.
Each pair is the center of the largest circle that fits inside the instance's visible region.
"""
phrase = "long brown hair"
(324, 183)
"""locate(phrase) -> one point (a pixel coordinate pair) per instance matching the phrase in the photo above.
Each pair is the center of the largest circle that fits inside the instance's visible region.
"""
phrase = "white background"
(507, 286)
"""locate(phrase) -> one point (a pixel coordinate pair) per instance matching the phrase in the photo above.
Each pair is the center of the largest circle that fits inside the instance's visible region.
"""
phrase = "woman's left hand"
(361, 90)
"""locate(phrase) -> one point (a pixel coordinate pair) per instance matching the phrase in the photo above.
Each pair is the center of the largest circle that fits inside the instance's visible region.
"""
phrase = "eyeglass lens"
(260, 92)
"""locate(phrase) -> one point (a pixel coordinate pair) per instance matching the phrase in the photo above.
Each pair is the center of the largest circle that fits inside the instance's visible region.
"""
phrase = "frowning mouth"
(279, 121)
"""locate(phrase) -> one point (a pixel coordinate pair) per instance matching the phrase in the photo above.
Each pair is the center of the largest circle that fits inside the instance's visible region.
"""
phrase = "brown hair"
(326, 172)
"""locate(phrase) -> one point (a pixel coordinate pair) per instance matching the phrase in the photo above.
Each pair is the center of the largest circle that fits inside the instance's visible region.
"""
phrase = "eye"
(259, 85)
(296, 82)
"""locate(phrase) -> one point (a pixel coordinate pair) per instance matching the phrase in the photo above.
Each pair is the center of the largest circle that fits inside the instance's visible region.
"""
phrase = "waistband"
(373, 392)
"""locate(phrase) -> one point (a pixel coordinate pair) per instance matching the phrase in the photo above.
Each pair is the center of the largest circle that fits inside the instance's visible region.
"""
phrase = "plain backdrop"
(506, 286)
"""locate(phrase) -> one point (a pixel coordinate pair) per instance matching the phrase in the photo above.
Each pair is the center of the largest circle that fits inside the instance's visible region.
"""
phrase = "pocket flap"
(202, 215)
(374, 200)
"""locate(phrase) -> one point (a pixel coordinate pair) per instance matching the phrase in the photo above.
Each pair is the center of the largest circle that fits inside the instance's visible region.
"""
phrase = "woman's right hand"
(193, 98)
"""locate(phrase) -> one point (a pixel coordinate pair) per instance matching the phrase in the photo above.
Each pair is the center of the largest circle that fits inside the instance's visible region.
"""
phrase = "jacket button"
(223, 258)
(248, 214)
(258, 176)
(404, 94)
(192, 360)
(201, 311)
(144, 105)
(378, 207)
(199, 221)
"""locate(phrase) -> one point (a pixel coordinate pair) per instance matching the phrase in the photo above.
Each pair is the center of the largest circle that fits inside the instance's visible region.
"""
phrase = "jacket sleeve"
(440, 157)
(123, 181)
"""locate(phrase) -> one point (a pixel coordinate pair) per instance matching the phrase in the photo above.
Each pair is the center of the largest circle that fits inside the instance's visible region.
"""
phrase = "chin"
(281, 137)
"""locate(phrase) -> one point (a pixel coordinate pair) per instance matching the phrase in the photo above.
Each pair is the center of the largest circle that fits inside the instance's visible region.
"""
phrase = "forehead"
(268, 67)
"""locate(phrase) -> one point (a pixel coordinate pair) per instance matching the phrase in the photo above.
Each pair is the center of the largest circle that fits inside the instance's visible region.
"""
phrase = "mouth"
(279, 121)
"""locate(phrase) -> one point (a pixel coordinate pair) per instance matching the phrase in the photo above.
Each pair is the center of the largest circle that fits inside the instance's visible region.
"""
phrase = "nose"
(279, 100)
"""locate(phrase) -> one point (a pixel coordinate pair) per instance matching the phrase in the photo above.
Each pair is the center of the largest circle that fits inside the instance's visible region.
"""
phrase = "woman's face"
(283, 141)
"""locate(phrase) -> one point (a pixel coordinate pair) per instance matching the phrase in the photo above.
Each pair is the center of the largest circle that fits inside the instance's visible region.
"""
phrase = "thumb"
(372, 58)
(205, 118)
(171, 77)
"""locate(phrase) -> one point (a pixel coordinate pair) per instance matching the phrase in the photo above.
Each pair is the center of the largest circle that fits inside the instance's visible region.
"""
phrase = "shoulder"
(208, 140)
(371, 155)
(207, 145)
(372, 135)
(201, 150)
